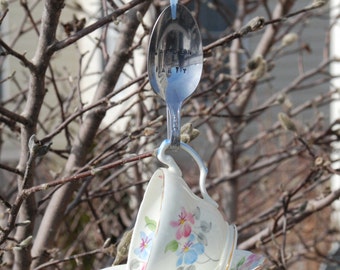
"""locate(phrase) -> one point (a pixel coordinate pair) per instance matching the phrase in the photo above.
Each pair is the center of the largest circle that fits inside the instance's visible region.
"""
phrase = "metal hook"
(169, 161)
(173, 4)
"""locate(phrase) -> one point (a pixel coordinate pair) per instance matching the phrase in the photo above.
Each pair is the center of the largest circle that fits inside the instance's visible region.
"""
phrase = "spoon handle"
(173, 4)
(174, 124)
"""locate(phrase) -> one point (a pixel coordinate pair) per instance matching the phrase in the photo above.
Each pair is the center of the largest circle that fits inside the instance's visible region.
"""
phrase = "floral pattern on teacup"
(143, 250)
(189, 252)
(183, 224)
(190, 239)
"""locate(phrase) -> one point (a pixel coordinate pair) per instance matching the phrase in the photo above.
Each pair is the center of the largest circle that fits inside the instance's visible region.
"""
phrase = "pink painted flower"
(184, 222)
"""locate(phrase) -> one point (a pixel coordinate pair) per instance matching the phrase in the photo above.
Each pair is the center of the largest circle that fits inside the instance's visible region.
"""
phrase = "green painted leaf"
(241, 262)
(150, 224)
(171, 246)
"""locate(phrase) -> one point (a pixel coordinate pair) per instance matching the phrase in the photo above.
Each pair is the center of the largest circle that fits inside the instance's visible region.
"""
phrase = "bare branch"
(89, 29)
(311, 207)
(17, 55)
(86, 135)
(13, 116)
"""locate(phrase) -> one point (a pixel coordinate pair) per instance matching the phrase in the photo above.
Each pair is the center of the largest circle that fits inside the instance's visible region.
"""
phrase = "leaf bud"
(149, 131)
(26, 242)
(139, 16)
(289, 39)
(253, 25)
(3, 5)
(317, 3)
(123, 247)
(286, 122)
(259, 66)
(319, 161)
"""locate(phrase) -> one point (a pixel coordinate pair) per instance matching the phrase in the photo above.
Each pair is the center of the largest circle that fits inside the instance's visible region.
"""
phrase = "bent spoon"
(175, 62)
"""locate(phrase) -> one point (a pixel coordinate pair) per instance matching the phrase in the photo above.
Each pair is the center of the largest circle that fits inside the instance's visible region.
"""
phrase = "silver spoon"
(175, 61)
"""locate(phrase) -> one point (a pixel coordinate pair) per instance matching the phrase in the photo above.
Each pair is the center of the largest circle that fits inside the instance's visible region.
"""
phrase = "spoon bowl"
(175, 62)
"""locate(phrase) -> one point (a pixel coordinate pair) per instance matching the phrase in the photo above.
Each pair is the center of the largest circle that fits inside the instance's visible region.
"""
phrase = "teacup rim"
(235, 252)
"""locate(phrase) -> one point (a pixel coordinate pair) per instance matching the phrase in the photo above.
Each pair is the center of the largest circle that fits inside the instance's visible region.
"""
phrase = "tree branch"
(13, 116)
(17, 55)
(55, 210)
(25, 193)
(278, 18)
(312, 207)
(36, 93)
(89, 29)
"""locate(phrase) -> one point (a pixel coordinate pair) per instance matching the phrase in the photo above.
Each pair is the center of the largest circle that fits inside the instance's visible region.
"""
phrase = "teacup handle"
(169, 161)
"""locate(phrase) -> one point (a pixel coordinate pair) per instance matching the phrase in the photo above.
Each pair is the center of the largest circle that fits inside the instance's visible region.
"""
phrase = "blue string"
(173, 4)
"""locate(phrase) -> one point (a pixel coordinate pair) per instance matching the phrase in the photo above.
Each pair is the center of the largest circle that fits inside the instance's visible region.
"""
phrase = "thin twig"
(17, 55)
(224, 40)
(89, 29)
(70, 258)
(10, 169)
(13, 116)
(29, 191)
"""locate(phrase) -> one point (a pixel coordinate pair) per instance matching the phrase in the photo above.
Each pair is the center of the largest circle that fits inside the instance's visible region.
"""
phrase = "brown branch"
(26, 205)
(25, 193)
(103, 101)
(70, 258)
(308, 8)
(10, 169)
(21, 57)
(312, 207)
(3, 15)
(89, 29)
(29, 15)
(225, 40)
(260, 164)
(13, 116)
(87, 132)
(87, 173)
(10, 123)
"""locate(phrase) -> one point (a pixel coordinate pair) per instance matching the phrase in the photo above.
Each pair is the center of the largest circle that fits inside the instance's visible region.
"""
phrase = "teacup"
(176, 229)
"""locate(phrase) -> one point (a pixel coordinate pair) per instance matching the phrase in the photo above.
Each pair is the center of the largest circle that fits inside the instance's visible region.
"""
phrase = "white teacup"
(177, 230)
